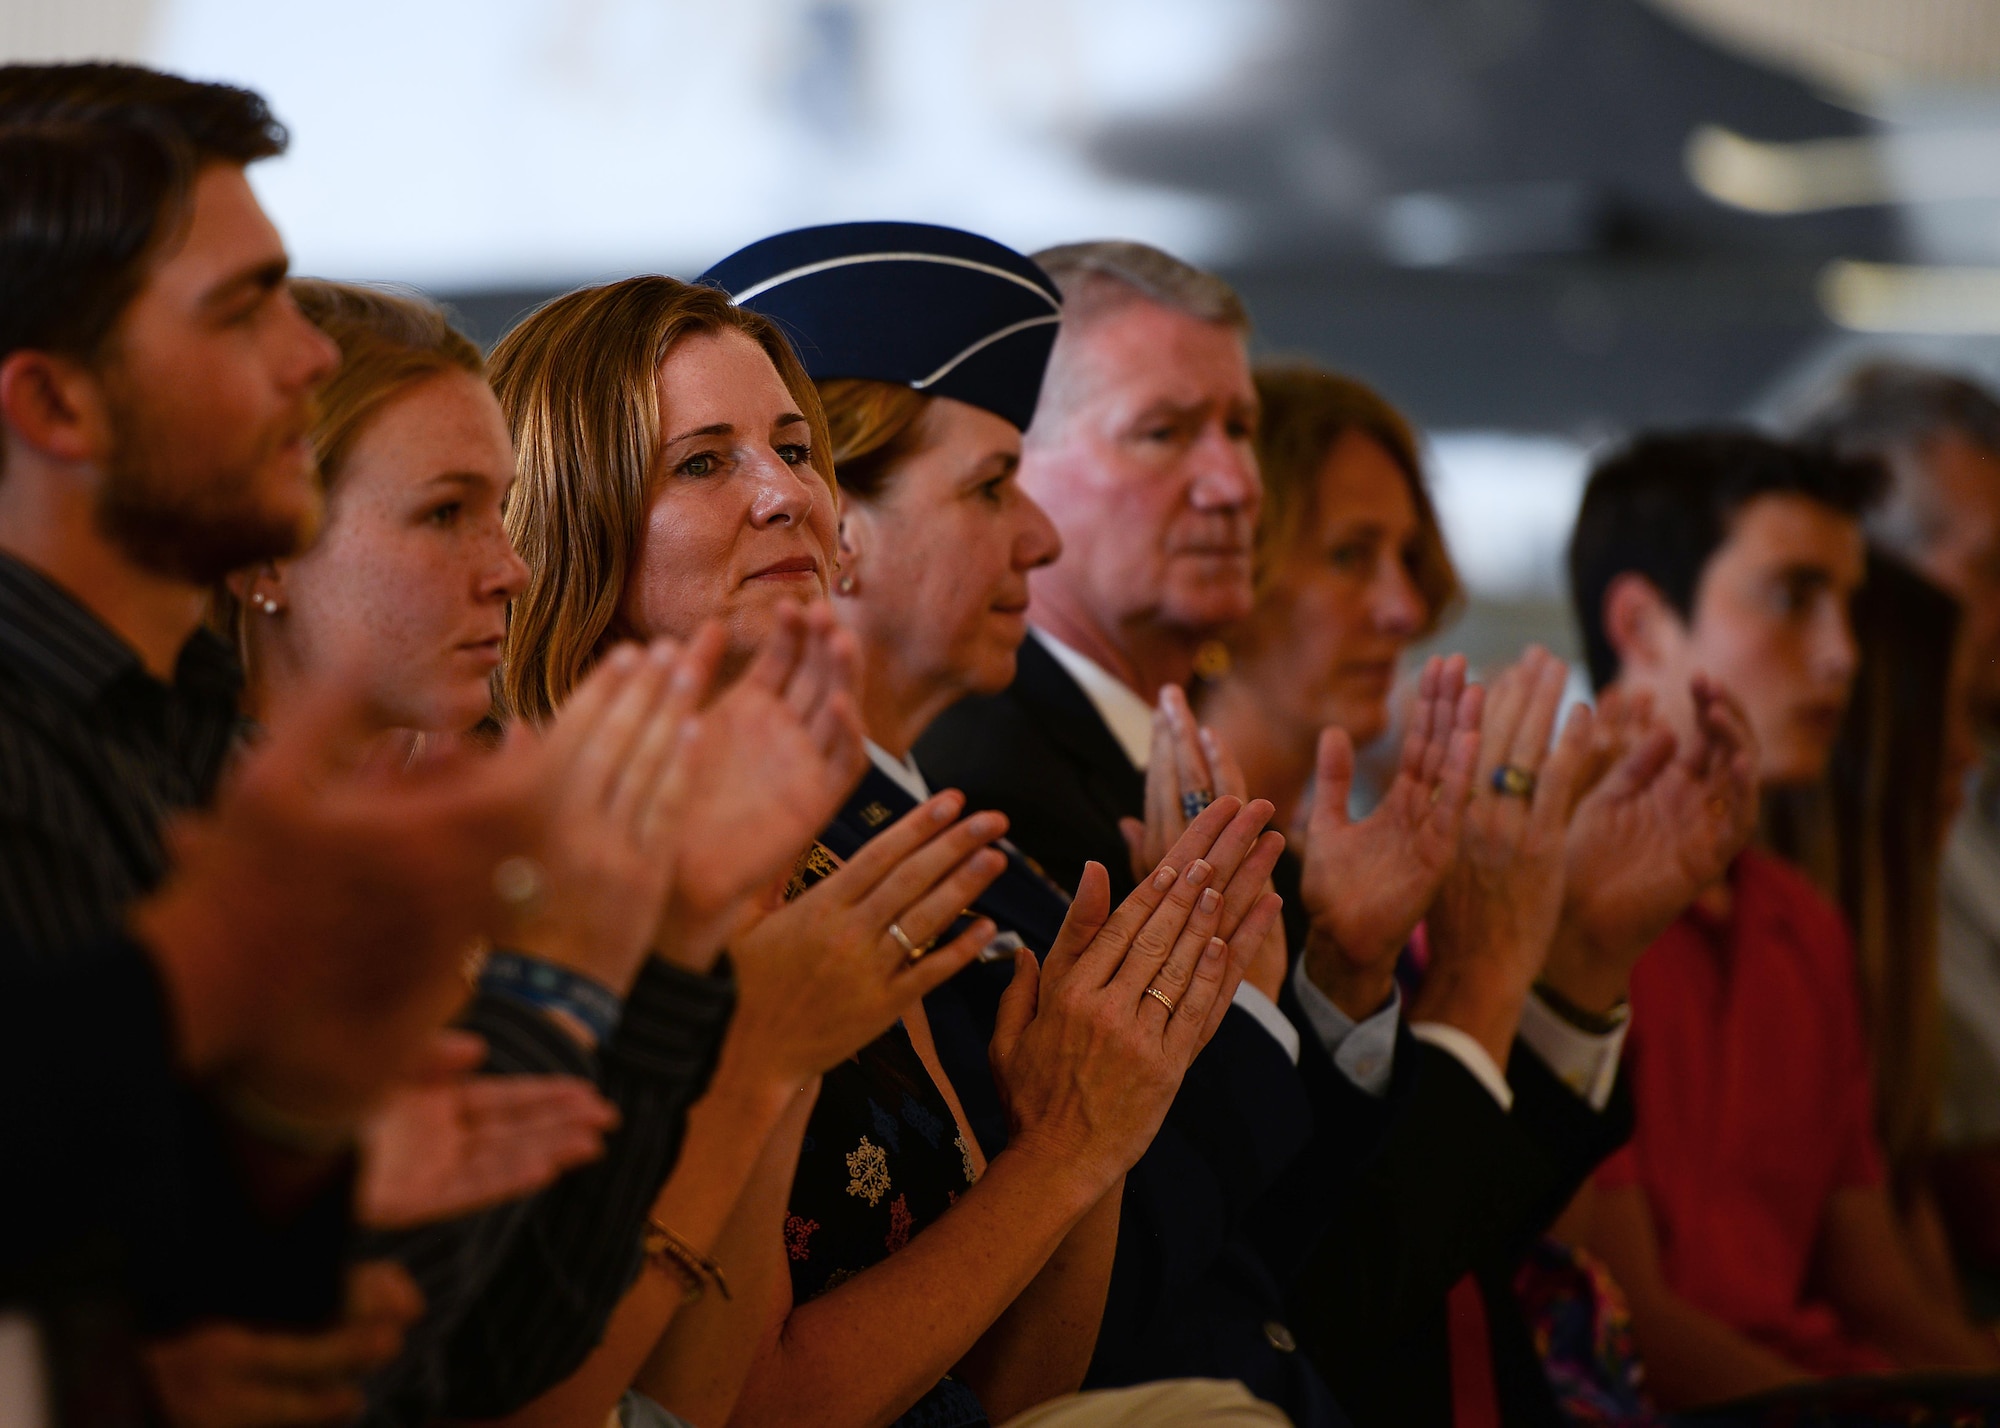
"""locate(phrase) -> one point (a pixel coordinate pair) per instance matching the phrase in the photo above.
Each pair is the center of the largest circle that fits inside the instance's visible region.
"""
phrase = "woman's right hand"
(822, 976)
(621, 748)
(1086, 1059)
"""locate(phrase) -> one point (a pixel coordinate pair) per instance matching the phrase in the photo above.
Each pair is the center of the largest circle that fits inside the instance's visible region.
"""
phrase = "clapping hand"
(1366, 885)
(1497, 909)
(831, 970)
(771, 761)
(453, 1143)
(223, 1375)
(1090, 1046)
(313, 929)
(622, 748)
(1189, 767)
(1661, 826)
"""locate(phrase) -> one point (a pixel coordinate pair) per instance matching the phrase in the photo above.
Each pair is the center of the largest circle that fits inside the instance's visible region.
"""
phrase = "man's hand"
(1655, 832)
(456, 1143)
(1188, 758)
(232, 1376)
(1366, 885)
(313, 931)
(774, 757)
(1497, 910)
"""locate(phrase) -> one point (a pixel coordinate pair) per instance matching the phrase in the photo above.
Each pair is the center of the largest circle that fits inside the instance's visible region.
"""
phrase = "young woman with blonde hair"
(403, 597)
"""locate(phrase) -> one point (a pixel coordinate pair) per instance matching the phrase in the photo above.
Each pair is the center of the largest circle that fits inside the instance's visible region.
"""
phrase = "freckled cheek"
(682, 574)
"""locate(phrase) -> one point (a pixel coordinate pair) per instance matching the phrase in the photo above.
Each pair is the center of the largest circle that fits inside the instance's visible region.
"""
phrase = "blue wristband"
(551, 988)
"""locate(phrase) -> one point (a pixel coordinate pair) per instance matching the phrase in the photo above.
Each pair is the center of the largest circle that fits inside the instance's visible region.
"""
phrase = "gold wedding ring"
(1162, 998)
(910, 949)
(1514, 781)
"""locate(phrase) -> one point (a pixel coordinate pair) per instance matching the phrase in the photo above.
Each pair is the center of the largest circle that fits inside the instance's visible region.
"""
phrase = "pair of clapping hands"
(314, 933)
(1609, 831)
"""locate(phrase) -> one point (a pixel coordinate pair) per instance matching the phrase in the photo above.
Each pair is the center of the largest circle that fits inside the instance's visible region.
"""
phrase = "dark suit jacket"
(1191, 1293)
(1275, 1192)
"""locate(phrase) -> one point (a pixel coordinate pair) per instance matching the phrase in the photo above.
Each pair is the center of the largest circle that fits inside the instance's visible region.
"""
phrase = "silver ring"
(1194, 801)
(1513, 780)
(910, 949)
(1162, 998)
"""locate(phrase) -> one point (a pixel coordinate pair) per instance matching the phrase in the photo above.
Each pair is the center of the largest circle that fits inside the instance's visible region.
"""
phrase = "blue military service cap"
(937, 309)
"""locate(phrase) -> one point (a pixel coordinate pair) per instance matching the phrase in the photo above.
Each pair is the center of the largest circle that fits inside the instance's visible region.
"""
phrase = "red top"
(1752, 1085)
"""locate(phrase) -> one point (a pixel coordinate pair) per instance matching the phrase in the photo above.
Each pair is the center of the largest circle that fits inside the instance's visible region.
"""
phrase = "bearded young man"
(155, 389)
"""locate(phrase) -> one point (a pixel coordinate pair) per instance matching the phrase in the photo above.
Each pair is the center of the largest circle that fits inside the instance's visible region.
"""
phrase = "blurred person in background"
(1871, 835)
(1749, 1221)
(1414, 1276)
(1939, 435)
(403, 597)
(905, 1273)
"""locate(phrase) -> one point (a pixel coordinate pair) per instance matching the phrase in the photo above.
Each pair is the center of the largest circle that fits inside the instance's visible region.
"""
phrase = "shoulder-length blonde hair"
(579, 382)
(1304, 412)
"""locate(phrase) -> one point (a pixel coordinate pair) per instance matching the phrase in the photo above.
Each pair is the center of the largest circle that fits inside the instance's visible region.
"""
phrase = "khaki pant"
(1173, 1403)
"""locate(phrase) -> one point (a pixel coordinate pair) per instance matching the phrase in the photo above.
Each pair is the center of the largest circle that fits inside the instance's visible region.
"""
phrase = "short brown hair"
(579, 382)
(874, 427)
(1305, 412)
(1083, 270)
(96, 163)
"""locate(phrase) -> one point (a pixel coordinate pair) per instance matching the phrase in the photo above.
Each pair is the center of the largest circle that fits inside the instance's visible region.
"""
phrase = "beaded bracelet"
(669, 1251)
(552, 988)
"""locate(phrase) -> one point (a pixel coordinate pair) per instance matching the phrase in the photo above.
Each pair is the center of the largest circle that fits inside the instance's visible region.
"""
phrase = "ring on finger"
(1514, 781)
(914, 951)
(1194, 801)
(1162, 998)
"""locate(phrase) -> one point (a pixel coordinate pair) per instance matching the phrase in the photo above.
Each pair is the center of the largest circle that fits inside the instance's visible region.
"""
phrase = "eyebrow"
(265, 277)
(720, 428)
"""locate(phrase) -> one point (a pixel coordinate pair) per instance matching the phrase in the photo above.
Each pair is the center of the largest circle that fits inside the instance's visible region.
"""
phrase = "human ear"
(849, 544)
(54, 405)
(1638, 623)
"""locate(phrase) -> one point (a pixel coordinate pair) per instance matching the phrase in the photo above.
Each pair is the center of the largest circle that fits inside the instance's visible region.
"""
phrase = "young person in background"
(1939, 436)
(1748, 1221)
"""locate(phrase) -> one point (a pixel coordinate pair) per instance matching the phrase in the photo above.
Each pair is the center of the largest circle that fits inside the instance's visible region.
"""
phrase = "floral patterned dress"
(882, 1158)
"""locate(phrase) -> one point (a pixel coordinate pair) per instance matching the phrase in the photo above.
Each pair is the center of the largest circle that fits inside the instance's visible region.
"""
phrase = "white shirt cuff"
(1265, 1013)
(1586, 1062)
(1471, 1055)
(1364, 1052)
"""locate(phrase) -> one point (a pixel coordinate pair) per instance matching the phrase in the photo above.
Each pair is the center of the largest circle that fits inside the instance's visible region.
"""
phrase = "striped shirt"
(95, 753)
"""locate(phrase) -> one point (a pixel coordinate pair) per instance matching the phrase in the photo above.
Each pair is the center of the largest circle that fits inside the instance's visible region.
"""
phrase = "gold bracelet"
(667, 1250)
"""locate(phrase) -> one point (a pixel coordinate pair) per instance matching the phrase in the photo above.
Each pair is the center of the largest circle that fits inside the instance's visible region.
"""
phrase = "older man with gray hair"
(1142, 451)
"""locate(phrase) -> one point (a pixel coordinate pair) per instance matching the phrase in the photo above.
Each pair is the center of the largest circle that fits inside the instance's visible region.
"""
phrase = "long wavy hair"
(579, 382)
